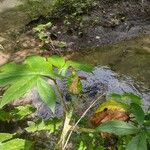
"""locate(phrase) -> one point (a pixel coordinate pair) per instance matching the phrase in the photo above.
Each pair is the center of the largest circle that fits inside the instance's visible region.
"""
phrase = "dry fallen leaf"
(107, 115)
(107, 111)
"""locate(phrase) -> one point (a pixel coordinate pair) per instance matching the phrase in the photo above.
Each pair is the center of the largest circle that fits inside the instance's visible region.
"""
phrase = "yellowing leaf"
(112, 105)
(75, 85)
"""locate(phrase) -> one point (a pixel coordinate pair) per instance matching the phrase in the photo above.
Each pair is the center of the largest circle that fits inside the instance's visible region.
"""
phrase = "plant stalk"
(66, 109)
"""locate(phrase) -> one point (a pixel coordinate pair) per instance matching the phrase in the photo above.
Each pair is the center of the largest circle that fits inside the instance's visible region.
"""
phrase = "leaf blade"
(138, 113)
(17, 90)
(117, 127)
(138, 142)
(46, 93)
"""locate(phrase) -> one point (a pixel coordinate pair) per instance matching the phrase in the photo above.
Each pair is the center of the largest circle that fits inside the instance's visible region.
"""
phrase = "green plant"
(13, 141)
(137, 129)
(19, 79)
(8, 142)
(41, 31)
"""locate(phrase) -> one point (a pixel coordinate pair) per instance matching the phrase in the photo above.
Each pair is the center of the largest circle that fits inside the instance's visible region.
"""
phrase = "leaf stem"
(66, 109)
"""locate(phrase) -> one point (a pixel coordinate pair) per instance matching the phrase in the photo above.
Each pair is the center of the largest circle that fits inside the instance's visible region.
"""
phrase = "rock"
(2, 39)
(3, 58)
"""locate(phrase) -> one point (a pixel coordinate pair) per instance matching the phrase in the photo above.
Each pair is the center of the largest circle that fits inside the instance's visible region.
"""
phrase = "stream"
(120, 67)
(120, 55)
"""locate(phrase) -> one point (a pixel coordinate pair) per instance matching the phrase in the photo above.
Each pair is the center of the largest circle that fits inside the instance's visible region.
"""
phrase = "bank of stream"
(119, 52)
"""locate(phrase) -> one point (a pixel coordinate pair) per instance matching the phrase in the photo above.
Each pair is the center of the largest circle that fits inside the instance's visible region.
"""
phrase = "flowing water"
(122, 67)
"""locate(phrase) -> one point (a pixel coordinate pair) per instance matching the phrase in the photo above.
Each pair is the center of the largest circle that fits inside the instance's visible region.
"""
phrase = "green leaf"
(40, 66)
(56, 61)
(63, 71)
(50, 125)
(18, 89)
(10, 73)
(74, 84)
(112, 105)
(80, 66)
(5, 116)
(138, 142)
(138, 113)
(132, 98)
(46, 93)
(5, 136)
(42, 27)
(82, 146)
(16, 144)
(147, 116)
(114, 96)
(117, 127)
(22, 112)
(148, 137)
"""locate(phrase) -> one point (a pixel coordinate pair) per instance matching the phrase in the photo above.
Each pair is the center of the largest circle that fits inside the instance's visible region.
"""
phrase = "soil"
(105, 23)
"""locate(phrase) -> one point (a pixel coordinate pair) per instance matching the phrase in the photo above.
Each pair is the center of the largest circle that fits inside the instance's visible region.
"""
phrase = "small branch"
(66, 109)
(80, 129)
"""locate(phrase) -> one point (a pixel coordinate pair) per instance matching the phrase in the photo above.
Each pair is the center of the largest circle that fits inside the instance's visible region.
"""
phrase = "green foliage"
(41, 125)
(18, 89)
(5, 136)
(138, 142)
(126, 98)
(41, 31)
(113, 104)
(18, 113)
(16, 144)
(82, 146)
(73, 7)
(18, 79)
(47, 93)
(138, 113)
(7, 142)
(117, 127)
(21, 78)
(21, 112)
(138, 127)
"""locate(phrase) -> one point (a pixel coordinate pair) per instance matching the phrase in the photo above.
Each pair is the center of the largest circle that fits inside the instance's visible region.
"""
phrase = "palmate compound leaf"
(138, 142)
(46, 93)
(117, 127)
(34, 65)
(18, 89)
